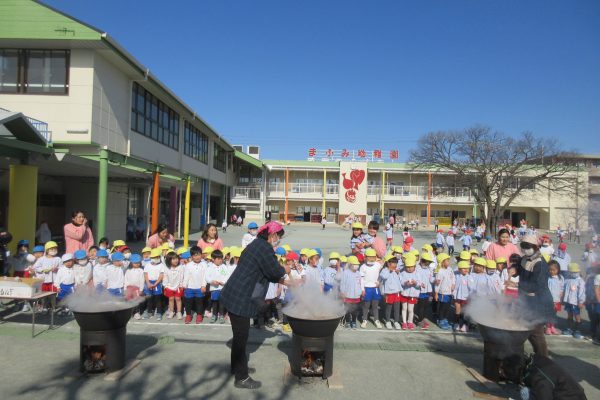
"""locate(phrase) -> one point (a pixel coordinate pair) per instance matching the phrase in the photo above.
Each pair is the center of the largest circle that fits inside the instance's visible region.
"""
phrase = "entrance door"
(516, 218)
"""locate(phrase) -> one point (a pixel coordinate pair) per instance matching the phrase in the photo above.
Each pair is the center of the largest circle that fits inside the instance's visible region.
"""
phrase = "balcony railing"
(246, 193)
(421, 192)
(41, 126)
(300, 188)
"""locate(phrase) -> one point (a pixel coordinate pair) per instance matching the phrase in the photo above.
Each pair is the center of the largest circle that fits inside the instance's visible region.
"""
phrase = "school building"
(85, 126)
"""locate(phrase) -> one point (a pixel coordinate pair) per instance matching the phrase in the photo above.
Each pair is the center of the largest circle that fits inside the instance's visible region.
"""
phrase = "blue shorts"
(191, 293)
(153, 292)
(444, 298)
(116, 292)
(573, 309)
(597, 308)
(215, 294)
(424, 295)
(65, 290)
(371, 294)
(327, 287)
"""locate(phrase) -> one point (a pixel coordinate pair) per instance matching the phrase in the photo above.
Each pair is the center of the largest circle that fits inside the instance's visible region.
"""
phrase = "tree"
(497, 167)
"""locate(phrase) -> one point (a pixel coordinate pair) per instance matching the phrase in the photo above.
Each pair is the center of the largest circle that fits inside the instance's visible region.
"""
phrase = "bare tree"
(498, 168)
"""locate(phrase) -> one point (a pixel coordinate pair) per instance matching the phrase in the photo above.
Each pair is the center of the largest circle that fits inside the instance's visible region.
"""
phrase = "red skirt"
(393, 298)
(557, 307)
(409, 300)
(461, 302)
(512, 293)
(173, 293)
(353, 301)
(48, 287)
(131, 292)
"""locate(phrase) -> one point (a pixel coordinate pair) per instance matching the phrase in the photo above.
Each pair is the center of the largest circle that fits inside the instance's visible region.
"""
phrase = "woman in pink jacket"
(161, 235)
(210, 237)
(78, 235)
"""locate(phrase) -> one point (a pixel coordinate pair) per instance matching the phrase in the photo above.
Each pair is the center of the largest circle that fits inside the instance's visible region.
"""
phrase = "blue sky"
(289, 75)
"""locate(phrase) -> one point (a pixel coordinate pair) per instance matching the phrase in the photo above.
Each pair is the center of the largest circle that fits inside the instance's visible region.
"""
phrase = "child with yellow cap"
(480, 282)
(351, 288)
(574, 300)
(462, 291)
(411, 290)
(331, 274)
(153, 289)
(425, 279)
(371, 294)
(391, 287)
(444, 287)
(494, 282)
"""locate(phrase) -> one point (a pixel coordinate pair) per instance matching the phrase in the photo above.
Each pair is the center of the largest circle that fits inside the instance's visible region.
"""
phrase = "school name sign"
(376, 155)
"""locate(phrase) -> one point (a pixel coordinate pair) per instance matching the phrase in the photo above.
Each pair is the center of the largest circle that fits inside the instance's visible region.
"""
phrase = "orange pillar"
(429, 201)
(155, 198)
(287, 178)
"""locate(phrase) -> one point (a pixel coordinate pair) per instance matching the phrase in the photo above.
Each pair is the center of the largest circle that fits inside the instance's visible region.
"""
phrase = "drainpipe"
(155, 200)
(102, 193)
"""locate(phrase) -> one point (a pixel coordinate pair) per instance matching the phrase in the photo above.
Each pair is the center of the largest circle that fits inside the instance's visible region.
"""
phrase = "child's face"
(313, 260)
(478, 268)
(513, 272)
(197, 257)
(553, 270)
(501, 266)
(490, 271)
(146, 255)
(354, 267)
(425, 264)
(445, 263)
(174, 261)
(392, 266)
(356, 232)
(464, 271)
(92, 253)
(102, 260)
(410, 269)
(372, 231)
(217, 261)
(136, 265)
(38, 254)
(303, 259)
(235, 260)
(69, 264)
(371, 260)
(289, 263)
(117, 263)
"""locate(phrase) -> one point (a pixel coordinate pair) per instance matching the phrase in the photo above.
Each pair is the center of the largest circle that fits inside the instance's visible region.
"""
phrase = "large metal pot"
(103, 321)
(313, 327)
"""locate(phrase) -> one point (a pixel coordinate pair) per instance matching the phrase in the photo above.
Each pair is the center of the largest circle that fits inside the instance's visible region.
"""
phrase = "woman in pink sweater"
(161, 235)
(504, 247)
(210, 237)
(78, 235)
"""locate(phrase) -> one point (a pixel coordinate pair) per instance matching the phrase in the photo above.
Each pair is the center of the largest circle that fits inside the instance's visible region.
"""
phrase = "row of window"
(195, 143)
(28, 71)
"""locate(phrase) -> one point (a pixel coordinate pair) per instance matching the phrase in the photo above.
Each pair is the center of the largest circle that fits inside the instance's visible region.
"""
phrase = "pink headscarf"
(271, 227)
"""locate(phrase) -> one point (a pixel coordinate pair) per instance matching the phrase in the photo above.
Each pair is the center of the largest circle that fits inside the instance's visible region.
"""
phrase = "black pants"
(594, 321)
(420, 308)
(192, 304)
(351, 312)
(154, 301)
(443, 310)
(218, 308)
(388, 312)
(240, 326)
(450, 250)
(538, 341)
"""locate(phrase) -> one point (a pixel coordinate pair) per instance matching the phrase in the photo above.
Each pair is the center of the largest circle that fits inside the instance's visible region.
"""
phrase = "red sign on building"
(376, 153)
(312, 152)
(345, 153)
(361, 153)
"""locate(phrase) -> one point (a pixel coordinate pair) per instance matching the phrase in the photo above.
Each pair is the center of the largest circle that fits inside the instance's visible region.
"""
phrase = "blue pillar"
(203, 215)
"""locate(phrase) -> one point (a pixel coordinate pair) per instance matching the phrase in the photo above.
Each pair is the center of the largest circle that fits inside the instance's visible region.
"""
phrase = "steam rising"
(309, 302)
(90, 300)
(501, 312)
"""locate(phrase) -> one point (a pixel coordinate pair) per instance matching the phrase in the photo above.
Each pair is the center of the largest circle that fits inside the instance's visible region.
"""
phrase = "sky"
(289, 75)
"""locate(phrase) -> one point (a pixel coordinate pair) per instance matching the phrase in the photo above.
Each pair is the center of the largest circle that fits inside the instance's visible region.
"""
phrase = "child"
(146, 256)
(18, 262)
(574, 299)
(391, 291)
(64, 280)
(250, 235)
(369, 272)
(487, 242)
(331, 271)
(425, 279)
(47, 266)
(444, 288)
(313, 272)
(115, 276)
(265, 312)
(439, 239)
(103, 243)
(466, 239)
(358, 242)
(82, 269)
(92, 255)
(323, 222)
(450, 243)
(134, 283)
(303, 257)
(407, 245)
(351, 288)
(494, 282)
(224, 226)
(217, 274)
(172, 284)
(99, 271)
(153, 288)
(501, 268)
(461, 294)
(556, 284)
(411, 290)
(194, 284)
(389, 235)
(511, 283)
(480, 281)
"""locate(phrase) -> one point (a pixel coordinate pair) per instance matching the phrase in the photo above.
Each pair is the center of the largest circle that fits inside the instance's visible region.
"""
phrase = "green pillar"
(102, 190)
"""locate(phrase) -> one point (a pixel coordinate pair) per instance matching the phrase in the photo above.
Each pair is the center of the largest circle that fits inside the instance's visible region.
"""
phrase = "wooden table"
(31, 301)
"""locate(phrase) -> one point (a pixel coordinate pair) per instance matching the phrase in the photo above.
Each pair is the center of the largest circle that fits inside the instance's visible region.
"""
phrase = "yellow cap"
(50, 245)
(334, 255)
(464, 265)
(464, 255)
(480, 261)
(235, 252)
(352, 260)
(207, 250)
(426, 256)
(181, 250)
(146, 250)
(491, 264)
(287, 247)
(311, 253)
(304, 251)
(357, 225)
(397, 249)
(546, 257)
(226, 250)
(500, 260)
(427, 247)
(415, 253)
(388, 257)
(574, 267)
(119, 243)
(442, 257)
(370, 253)
(156, 252)
(473, 251)
(165, 246)
(343, 259)
(410, 260)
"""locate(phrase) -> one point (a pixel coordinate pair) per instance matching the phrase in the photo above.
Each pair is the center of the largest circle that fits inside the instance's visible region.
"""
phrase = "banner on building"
(353, 188)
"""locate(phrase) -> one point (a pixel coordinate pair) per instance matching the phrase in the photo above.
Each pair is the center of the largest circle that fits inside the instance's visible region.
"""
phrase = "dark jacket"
(533, 288)
(548, 381)
(257, 264)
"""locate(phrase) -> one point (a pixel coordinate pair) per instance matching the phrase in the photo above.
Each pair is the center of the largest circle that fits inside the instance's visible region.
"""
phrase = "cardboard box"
(20, 287)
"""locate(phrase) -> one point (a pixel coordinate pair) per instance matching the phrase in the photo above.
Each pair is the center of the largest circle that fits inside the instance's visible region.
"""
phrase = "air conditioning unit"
(254, 151)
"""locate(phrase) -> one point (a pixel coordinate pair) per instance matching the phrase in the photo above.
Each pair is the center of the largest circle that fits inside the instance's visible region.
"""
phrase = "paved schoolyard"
(192, 362)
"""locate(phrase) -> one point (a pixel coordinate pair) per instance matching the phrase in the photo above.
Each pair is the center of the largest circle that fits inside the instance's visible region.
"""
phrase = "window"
(153, 118)
(219, 158)
(195, 143)
(34, 71)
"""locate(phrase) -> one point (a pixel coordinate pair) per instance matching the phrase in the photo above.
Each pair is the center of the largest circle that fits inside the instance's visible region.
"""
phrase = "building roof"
(249, 159)
(32, 19)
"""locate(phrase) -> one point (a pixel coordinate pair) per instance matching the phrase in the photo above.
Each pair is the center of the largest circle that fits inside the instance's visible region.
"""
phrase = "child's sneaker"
(222, 320)
(178, 315)
(169, 314)
(567, 332)
(404, 326)
(397, 326)
(188, 319)
(353, 325)
(158, 316)
(456, 327)
(198, 319)
(464, 328)
(348, 325)
(363, 324)
(424, 325)
(411, 326)
(213, 319)
(378, 324)
(555, 331)
(25, 308)
(137, 316)
(145, 315)
(577, 335)
(388, 325)
(548, 330)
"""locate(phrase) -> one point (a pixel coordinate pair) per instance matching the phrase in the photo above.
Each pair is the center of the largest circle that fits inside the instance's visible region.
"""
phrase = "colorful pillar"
(287, 178)
(22, 203)
(186, 213)
(429, 200)
(155, 202)
(324, 207)
(173, 208)
(102, 194)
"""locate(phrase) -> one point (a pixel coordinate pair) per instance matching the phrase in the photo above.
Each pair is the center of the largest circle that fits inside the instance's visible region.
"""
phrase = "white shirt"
(134, 277)
(194, 276)
(44, 268)
(173, 278)
(217, 273)
(115, 277)
(64, 276)
(247, 239)
(83, 274)
(370, 274)
(153, 271)
(99, 274)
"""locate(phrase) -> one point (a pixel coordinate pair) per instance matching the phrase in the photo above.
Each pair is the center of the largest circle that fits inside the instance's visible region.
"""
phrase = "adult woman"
(245, 289)
(210, 237)
(534, 292)
(159, 236)
(78, 235)
(504, 248)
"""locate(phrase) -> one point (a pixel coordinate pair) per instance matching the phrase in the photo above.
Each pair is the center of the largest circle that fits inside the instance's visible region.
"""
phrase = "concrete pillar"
(102, 194)
(172, 208)
(22, 203)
